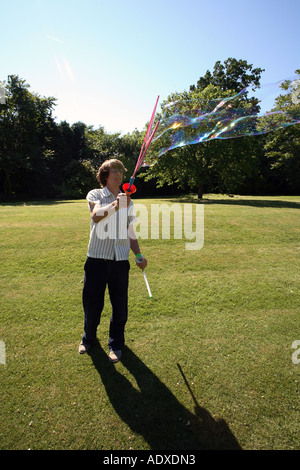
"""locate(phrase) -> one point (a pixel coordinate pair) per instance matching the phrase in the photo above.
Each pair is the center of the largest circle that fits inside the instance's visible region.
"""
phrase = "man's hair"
(105, 168)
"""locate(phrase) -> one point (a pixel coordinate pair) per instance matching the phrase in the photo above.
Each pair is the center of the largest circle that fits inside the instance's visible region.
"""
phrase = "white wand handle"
(147, 284)
(139, 259)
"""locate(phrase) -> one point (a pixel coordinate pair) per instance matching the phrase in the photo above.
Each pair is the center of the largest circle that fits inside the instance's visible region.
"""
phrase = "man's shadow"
(154, 412)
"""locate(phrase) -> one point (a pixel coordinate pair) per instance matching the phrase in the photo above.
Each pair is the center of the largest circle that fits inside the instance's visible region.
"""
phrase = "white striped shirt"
(109, 238)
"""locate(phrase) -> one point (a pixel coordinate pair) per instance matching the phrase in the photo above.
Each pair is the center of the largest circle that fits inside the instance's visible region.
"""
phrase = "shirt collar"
(106, 192)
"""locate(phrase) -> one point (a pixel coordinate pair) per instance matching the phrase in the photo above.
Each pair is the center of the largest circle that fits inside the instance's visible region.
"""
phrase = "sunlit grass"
(227, 314)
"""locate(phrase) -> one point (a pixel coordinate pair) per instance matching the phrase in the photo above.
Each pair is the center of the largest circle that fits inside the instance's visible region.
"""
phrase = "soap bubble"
(192, 121)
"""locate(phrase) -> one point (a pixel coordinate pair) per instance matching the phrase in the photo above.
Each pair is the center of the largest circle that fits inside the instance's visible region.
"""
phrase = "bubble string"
(187, 122)
(147, 140)
(146, 147)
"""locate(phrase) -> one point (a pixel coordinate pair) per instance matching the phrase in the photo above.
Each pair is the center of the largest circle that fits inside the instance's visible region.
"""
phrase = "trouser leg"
(118, 292)
(93, 296)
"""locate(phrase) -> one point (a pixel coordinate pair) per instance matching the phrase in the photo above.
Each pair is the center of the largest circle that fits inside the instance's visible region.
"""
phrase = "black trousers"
(100, 273)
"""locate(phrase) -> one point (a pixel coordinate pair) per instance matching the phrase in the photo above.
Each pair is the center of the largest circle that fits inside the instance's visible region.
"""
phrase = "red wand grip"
(126, 187)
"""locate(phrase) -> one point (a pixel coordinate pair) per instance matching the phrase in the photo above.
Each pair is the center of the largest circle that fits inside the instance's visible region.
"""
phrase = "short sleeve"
(94, 196)
(132, 218)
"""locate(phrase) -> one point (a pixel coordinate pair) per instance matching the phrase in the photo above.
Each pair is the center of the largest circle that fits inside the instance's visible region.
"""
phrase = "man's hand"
(123, 200)
(143, 264)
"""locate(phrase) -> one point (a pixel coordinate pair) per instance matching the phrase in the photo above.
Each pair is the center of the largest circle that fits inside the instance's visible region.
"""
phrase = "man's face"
(115, 178)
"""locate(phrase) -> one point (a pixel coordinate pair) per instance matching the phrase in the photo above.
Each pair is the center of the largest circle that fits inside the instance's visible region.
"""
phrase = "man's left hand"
(143, 264)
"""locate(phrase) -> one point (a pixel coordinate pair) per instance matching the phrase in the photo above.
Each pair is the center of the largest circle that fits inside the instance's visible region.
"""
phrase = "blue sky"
(106, 61)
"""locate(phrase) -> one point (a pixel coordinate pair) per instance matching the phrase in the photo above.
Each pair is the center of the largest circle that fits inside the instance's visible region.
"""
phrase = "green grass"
(226, 314)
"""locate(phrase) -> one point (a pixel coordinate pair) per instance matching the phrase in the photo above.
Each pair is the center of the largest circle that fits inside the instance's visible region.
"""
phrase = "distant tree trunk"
(7, 183)
(200, 191)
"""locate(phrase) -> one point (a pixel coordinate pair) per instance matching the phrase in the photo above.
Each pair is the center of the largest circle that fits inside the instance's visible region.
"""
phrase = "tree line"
(40, 158)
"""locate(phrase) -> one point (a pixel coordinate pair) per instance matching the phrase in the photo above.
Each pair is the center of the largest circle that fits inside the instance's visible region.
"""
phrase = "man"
(111, 237)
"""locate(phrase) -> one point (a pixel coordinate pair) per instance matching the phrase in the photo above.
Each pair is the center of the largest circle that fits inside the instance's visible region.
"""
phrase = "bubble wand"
(129, 188)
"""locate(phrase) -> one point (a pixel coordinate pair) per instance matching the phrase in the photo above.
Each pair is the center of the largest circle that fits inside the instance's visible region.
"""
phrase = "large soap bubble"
(192, 121)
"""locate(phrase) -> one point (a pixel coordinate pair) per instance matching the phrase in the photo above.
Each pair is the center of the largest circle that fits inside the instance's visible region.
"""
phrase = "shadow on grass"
(154, 412)
(275, 203)
(42, 202)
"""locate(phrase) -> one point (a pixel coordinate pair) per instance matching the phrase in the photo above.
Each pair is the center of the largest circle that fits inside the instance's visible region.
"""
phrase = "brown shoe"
(115, 356)
(83, 348)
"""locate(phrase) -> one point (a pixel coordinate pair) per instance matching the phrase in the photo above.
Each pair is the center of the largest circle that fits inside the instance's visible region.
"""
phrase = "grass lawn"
(208, 363)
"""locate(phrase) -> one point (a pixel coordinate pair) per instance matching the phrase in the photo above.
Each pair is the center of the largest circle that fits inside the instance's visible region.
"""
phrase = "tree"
(25, 128)
(233, 75)
(103, 145)
(282, 147)
(78, 179)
